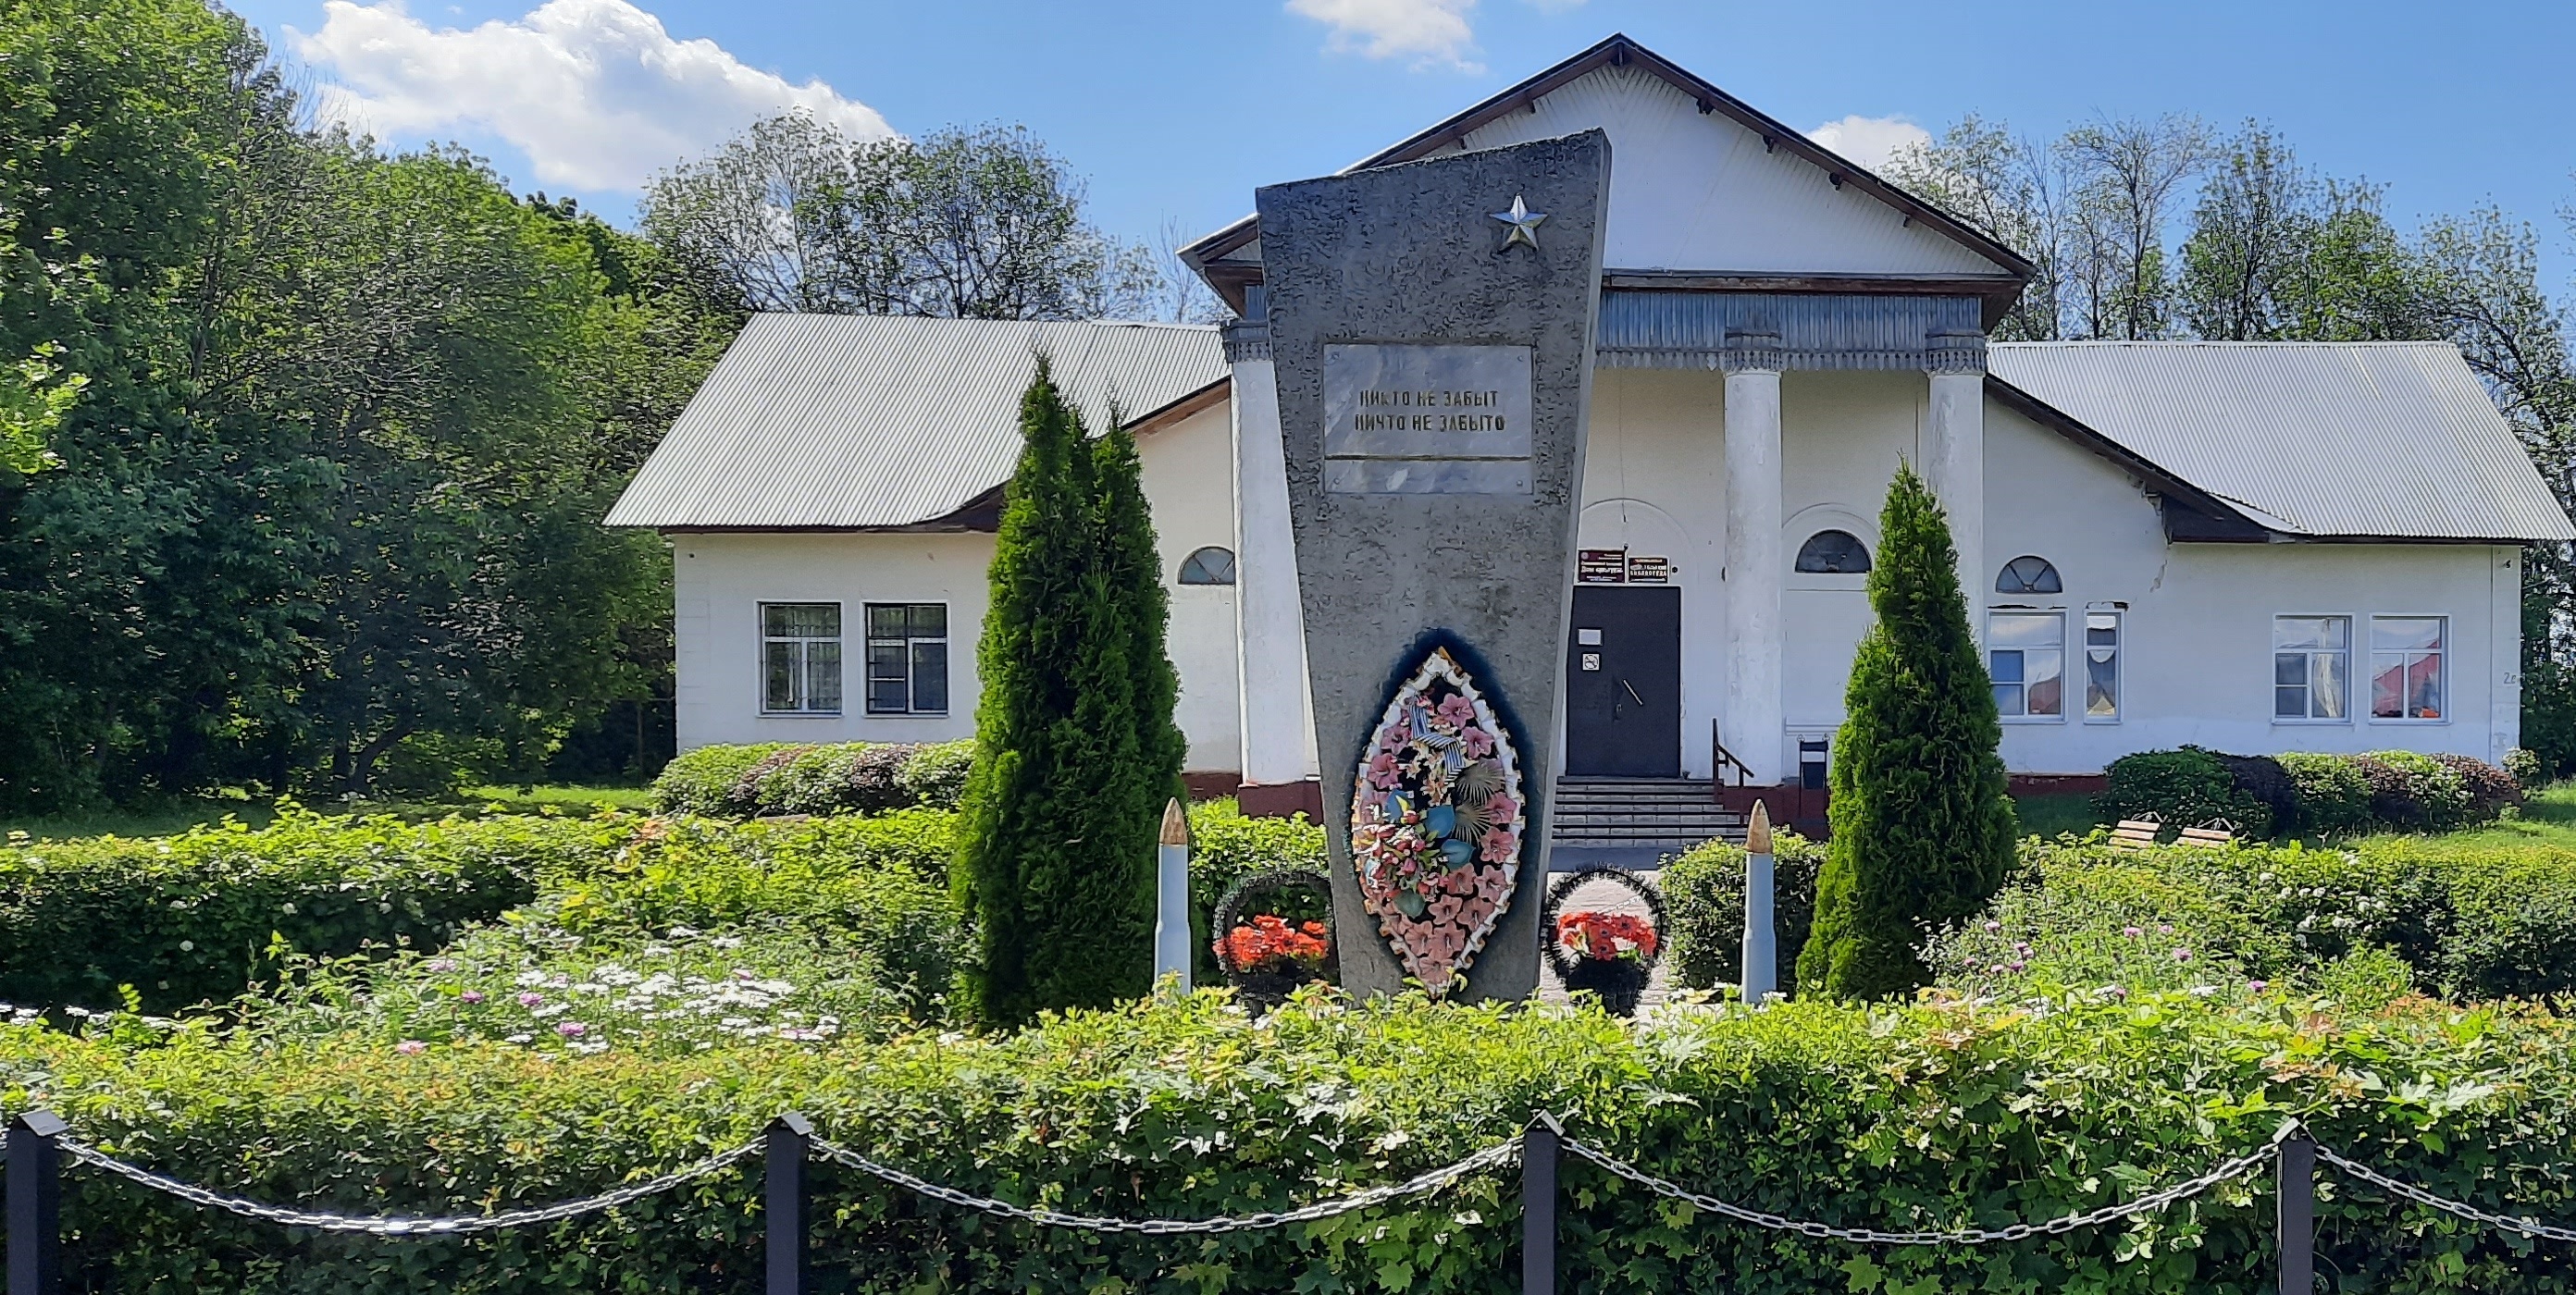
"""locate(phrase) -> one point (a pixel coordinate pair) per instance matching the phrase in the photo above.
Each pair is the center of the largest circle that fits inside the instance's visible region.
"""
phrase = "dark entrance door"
(1623, 682)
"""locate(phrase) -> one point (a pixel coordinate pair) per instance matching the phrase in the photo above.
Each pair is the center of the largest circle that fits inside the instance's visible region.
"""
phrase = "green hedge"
(194, 917)
(1225, 847)
(2468, 922)
(2289, 795)
(776, 778)
(1929, 1114)
(1704, 902)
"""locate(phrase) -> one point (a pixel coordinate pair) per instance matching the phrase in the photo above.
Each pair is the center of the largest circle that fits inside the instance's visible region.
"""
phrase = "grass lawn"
(2049, 815)
(173, 817)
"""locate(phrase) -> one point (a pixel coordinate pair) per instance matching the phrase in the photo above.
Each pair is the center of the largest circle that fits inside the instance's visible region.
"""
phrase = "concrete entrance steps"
(1635, 822)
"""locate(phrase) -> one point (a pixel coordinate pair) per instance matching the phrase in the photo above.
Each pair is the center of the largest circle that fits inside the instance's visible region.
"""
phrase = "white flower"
(187, 946)
(530, 979)
(519, 1038)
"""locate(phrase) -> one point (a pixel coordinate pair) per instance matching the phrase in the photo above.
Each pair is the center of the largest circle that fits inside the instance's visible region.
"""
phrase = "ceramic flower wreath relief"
(1437, 819)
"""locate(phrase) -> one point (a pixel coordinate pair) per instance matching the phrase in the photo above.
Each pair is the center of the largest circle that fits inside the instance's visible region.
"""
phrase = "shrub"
(702, 781)
(877, 883)
(1076, 749)
(1704, 902)
(2522, 764)
(1922, 828)
(194, 917)
(2334, 797)
(2435, 794)
(2261, 780)
(935, 773)
(2490, 790)
(834, 778)
(1934, 1114)
(2184, 788)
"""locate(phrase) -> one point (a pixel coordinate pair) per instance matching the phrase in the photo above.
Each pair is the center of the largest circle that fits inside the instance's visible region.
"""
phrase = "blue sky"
(1176, 111)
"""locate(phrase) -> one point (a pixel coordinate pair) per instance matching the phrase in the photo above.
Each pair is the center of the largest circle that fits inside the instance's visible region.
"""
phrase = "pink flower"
(1501, 846)
(2258, 986)
(1456, 712)
(411, 1047)
(1382, 772)
(2131, 932)
(571, 1029)
(472, 996)
(1994, 926)
(1500, 808)
(1477, 742)
(2164, 928)
(1395, 734)
(532, 1000)
(2182, 955)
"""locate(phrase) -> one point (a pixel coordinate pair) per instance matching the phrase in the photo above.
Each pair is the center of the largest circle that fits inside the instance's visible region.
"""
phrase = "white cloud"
(595, 92)
(1431, 32)
(1870, 141)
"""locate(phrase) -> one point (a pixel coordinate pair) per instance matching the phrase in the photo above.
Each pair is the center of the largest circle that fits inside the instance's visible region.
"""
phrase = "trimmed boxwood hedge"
(201, 915)
(773, 778)
(2291, 795)
(1929, 1114)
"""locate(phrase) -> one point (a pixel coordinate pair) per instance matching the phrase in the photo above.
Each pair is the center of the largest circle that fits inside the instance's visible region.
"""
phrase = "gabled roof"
(1620, 51)
(863, 422)
(2308, 440)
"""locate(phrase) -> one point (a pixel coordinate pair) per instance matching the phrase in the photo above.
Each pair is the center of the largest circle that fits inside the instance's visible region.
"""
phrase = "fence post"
(785, 1203)
(1539, 1144)
(2297, 1193)
(35, 1204)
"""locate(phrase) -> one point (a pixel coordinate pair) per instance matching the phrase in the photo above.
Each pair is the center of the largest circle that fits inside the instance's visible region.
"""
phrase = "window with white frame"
(907, 659)
(2406, 659)
(2101, 665)
(800, 658)
(2026, 656)
(2311, 667)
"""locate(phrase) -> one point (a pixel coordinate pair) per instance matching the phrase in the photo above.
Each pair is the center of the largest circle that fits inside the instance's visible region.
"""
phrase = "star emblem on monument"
(1524, 223)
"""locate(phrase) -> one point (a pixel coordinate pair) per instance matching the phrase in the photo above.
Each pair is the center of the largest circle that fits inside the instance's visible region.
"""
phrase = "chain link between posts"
(2149, 1203)
(2398, 1187)
(1499, 1153)
(392, 1226)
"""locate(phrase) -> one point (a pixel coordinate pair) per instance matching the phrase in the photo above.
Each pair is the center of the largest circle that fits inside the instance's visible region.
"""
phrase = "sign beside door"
(1620, 567)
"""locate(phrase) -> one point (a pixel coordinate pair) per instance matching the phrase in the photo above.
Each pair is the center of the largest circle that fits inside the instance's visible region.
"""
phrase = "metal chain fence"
(2398, 1187)
(1499, 1153)
(392, 1226)
(2149, 1203)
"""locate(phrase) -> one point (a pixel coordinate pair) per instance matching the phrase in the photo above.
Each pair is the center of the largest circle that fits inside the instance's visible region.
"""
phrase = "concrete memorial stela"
(1433, 435)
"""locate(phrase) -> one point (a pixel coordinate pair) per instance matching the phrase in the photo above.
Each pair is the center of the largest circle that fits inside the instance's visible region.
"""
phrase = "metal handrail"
(1719, 758)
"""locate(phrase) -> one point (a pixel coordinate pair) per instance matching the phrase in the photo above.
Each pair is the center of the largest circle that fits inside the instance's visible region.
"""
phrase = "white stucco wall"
(720, 580)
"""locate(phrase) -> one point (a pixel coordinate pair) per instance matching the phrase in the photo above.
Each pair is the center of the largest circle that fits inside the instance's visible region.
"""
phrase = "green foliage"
(195, 917)
(2334, 798)
(1940, 1113)
(769, 778)
(1077, 752)
(1922, 827)
(2184, 788)
(1704, 902)
(2330, 795)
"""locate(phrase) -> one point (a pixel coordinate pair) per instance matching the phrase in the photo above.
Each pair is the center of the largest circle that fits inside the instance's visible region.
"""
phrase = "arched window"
(1833, 553)
(2028, 575)
(1208, 566)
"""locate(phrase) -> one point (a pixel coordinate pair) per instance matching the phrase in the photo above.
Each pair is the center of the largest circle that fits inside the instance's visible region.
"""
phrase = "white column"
(1750, 727)
(1954, 458)
(1270, 623)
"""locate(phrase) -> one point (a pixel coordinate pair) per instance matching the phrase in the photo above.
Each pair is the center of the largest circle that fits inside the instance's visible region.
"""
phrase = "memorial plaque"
(1426, 419)
(1430, 327)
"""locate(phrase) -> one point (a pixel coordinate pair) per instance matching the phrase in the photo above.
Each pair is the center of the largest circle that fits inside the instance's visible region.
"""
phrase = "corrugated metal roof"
(2325, 439)
(833, 421)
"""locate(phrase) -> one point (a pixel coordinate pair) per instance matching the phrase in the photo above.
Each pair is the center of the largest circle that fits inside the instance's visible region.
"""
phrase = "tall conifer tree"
(1076, 748)
(1923, 829)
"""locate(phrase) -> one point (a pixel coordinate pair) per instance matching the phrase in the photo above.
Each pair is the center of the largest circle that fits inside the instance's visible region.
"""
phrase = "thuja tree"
(1076, 748)
(1923, 830)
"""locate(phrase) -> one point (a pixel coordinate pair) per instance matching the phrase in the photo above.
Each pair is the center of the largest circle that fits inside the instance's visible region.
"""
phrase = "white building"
(2252, 547)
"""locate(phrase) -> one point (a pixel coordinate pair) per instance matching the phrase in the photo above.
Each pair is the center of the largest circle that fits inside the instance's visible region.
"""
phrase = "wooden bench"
(2136, 833)
(2215, 834)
